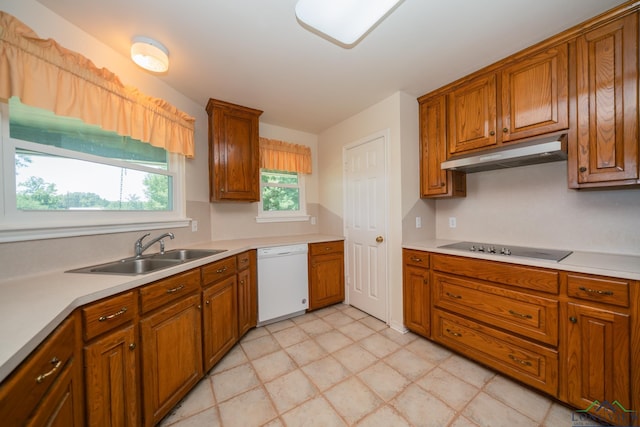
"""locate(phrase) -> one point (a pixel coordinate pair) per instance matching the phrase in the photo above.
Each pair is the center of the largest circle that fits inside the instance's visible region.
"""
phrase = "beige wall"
(398, 114)
(532, 206)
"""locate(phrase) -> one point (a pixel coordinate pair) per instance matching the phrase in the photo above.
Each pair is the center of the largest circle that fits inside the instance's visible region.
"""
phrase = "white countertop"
(621, 266)
(31, 307)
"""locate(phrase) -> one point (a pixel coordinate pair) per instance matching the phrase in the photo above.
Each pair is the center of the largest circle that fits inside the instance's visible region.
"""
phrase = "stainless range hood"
(546, 150)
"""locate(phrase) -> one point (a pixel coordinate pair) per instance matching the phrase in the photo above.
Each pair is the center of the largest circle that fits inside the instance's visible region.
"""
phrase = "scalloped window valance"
(44, 74)
(284, 156)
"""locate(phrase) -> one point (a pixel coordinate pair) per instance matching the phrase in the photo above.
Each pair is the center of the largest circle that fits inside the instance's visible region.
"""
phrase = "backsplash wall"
(532, 206)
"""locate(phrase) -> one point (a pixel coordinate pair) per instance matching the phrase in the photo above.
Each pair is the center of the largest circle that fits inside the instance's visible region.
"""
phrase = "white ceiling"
(255, 53)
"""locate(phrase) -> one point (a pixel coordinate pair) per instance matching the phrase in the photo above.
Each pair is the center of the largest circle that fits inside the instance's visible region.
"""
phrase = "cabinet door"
(111, 380)
(220, 319)
(607, 59)
(535, 94)
(171, 356)
(433, 146)
(234, 152)
(326, 280)
(597, 358)
(247, 306)
(416, 300)
(472, 115)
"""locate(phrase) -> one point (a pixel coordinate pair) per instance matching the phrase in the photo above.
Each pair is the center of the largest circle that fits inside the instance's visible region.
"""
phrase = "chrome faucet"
(140, 248)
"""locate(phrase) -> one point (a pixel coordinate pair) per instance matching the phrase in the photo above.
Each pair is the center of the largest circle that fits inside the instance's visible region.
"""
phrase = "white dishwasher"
(283, 289)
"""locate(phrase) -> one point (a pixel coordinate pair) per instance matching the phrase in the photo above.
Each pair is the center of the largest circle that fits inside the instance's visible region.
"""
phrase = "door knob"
(379, 239)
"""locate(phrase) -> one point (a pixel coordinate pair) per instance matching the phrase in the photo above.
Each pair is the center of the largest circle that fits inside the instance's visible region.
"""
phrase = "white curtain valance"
(45, 75)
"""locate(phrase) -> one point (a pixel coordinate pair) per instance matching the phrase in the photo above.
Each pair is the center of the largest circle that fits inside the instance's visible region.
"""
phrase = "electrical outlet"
(194, 225)
(418, 222)
(452, 222)
(313, 220)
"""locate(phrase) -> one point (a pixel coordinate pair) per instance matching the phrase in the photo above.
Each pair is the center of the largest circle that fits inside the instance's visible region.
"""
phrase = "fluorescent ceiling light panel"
(150, 54)
(345, 21)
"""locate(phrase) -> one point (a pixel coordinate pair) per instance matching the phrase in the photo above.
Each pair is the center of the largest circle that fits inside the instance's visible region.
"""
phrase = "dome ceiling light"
(343, 21)
(150, 54)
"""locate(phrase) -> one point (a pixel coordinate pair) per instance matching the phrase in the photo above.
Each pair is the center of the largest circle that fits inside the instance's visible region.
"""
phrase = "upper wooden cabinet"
(606, 152)
(435, 182)
(234, 162)
(525, 98)
(535, 95)
(472, 115)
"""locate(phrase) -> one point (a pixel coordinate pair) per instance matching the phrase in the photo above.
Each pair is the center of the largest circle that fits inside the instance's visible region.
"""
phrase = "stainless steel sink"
(187, 254)
(148, 263)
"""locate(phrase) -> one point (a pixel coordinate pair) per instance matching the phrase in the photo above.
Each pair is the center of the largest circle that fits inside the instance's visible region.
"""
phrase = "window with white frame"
(62, 174)
(282, 197)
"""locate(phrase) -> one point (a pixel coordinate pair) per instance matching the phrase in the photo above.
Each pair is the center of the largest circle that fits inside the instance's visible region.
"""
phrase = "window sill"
(296, 218)
(24, 234)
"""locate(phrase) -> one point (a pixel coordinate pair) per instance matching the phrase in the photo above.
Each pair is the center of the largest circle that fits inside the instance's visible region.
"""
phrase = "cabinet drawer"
(326, 247)
(169, 289)
(528, 315)
(104, 315)
(416, 258)
(529, 278)
(600, 289)
(523, 360)
(243, 260)
(218, 270)
(23, 391)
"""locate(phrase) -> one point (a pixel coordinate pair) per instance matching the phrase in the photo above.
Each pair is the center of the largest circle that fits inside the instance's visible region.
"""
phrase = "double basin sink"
(148, 263)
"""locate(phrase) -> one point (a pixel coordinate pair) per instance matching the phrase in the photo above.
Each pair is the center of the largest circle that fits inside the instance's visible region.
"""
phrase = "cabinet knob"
(505, 130)
(583, 169)
(492, 133)
(132, 346)
(442, 184)
(573, 319)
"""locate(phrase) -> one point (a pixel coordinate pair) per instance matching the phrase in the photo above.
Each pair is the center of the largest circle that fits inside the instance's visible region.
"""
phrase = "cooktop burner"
(517, 251)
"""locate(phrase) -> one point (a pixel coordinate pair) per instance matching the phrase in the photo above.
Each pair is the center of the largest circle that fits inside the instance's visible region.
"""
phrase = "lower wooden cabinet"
(220, 319)
(416, 292)
(62, 406)
(47, 388)
(326, 274)
(111, 373)
(598, 361)
(573, 336)
(111, 378)
(171, 344)
(247, 292)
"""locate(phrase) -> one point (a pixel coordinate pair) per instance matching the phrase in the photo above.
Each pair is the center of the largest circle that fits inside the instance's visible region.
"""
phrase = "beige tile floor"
(341, 367)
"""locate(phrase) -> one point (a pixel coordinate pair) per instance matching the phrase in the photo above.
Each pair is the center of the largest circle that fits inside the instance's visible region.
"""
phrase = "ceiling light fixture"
(344, 21)
(150, 54)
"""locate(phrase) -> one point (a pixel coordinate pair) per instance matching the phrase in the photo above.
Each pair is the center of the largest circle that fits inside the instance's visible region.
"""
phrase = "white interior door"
(365, 225)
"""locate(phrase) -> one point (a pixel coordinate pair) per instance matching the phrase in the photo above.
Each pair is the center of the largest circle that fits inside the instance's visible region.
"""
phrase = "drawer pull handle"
(221, 270)
(416, 259)
(122, 311)
(596, 291)
(450, 295)
(522, 316)
(176, 289)
(56, 364)
(244, 260)
(520, 361)
(455, 334)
